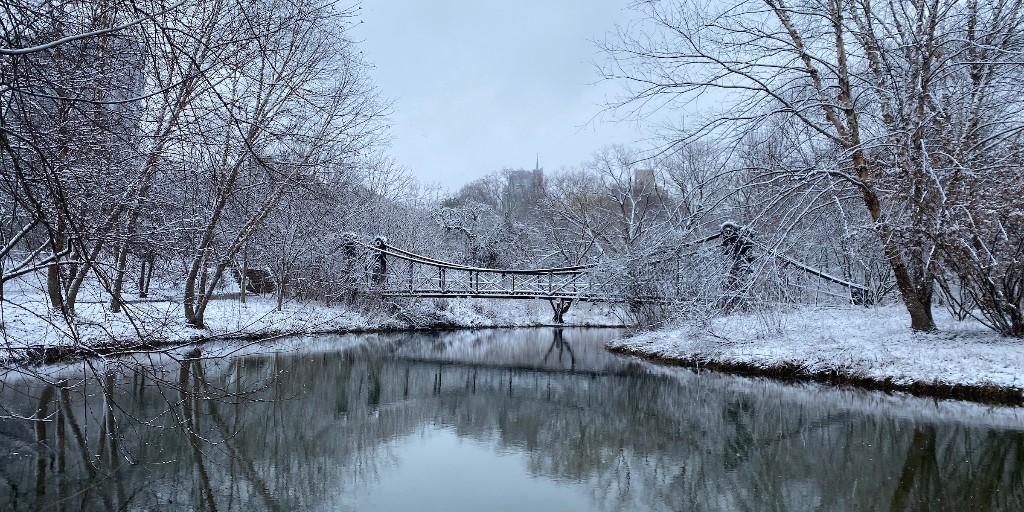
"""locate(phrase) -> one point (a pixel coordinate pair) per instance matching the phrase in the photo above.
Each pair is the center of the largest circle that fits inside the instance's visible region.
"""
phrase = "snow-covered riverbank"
(30, 330)
(871, 347)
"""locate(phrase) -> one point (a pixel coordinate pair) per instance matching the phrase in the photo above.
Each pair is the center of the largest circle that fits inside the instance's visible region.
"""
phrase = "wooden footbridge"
(395, 272)
(399, 273)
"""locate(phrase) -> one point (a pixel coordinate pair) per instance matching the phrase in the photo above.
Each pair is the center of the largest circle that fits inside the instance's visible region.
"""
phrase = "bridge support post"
(559, 307)
(738, 246)
(380, 262)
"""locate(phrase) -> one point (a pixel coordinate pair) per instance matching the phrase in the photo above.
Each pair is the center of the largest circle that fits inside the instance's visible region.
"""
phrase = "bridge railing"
(412, 279)
(666, 276)
(395, 272)
(408, 277)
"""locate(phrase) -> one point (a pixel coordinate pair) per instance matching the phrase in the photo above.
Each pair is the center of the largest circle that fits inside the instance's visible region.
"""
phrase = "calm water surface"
(515, 420)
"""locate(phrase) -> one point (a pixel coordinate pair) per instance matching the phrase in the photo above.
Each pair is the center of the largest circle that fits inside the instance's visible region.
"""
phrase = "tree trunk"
(115, 289)
(193, 315)
(53, 284)
(243, 280)
(280, 292)
(53, 288)
(146, 263)
(916, 291)
(149, 274)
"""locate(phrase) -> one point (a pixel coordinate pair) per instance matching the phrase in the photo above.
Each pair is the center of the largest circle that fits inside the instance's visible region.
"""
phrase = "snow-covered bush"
(983, 252)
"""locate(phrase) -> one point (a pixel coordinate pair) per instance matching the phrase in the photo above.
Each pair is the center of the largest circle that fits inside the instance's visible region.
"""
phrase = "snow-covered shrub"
(985, 260)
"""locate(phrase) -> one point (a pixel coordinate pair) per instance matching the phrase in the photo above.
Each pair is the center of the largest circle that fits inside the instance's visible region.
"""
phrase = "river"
(503, 420)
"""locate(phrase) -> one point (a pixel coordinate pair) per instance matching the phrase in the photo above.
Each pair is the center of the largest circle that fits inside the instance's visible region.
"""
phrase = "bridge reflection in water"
(324, 430)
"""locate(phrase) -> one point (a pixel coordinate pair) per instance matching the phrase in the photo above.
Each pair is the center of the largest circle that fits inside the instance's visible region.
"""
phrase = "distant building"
(645, 188)
(644, 180)
(523, 188)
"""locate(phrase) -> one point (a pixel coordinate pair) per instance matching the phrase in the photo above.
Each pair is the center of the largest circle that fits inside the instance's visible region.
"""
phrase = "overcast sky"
(483, 85)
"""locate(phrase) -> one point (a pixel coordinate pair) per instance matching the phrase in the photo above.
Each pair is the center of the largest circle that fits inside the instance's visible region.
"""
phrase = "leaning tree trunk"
(197, 295)
(915, 287)
(121, 264)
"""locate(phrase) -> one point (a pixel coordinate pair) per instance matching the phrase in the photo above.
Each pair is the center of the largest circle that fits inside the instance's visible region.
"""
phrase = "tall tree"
(294, 102)
(867, 81)
(68, 79)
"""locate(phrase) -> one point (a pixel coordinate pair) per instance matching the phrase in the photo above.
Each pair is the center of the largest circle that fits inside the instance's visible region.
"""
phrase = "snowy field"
(26, 321)
(853, 342)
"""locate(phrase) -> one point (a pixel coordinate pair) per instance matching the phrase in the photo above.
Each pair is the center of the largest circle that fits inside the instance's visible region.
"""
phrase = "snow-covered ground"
(854, 343)
(26, 320)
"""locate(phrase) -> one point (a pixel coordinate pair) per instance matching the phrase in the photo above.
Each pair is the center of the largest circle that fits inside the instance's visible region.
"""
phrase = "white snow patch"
(874, 343)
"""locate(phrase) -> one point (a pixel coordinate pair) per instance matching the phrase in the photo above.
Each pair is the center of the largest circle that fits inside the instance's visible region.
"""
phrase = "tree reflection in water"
(306, 430)
(558, 342)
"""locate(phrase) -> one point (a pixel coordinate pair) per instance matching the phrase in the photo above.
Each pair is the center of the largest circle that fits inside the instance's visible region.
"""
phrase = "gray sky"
(482, 85)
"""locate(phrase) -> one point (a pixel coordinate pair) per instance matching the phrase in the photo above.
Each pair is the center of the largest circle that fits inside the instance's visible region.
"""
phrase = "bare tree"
(292, 104)
(573, 221)
(633, 198)
(866, 81)
(63, 132)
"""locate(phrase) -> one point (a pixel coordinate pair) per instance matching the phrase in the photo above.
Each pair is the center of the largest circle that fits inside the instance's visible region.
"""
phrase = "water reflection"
(544, 412)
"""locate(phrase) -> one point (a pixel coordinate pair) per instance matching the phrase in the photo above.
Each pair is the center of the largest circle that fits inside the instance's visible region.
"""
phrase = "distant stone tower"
(523, 189)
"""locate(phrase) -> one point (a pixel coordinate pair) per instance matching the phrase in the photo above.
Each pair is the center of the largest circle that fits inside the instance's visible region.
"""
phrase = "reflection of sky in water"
(436, 470)
(492, 420)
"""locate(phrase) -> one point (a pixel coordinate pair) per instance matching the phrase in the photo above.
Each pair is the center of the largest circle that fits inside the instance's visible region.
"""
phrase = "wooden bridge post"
(380, 263)
(737, 244)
